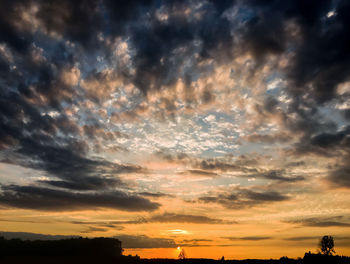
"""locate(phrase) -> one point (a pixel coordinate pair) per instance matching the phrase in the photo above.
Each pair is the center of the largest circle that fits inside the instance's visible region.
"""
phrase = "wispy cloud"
(30, 197)
(335, 221)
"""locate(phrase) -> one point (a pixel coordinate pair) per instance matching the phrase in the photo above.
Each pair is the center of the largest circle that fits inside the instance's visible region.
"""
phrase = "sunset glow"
(218, 127)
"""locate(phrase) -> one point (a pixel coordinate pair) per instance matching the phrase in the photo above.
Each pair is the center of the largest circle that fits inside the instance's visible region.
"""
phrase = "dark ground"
(108, 251)
(127, 260)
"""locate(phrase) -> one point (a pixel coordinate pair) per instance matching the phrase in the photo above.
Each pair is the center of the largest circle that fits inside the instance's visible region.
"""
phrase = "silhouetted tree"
(327, 245)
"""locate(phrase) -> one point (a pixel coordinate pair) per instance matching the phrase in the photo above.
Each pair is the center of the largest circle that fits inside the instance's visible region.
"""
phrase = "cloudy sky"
(220, 126)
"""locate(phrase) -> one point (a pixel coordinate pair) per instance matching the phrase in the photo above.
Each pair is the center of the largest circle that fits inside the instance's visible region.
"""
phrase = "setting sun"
(179, 232)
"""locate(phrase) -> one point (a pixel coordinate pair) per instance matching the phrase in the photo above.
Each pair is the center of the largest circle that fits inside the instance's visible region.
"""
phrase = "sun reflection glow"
(178, 231)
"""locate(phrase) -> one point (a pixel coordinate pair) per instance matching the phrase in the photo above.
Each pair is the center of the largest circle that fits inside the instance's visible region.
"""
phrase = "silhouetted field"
(308, 259)
(109, 250)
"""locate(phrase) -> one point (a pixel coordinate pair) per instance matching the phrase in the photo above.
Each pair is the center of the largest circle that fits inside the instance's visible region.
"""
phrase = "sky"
(222, 127)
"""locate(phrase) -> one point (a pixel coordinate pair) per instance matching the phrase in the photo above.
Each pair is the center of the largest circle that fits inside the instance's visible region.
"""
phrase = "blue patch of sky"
(199, 119)
(215, 152)
(130, 105)
(251, 147)
(272, 76)
(51, 46)
(243, 15)
(332, 115)
(222, 116)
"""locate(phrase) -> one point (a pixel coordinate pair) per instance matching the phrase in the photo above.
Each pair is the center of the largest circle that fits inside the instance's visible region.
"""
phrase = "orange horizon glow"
(233, 253)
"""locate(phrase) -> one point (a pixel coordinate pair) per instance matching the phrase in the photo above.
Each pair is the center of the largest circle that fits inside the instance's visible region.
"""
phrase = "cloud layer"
(176, 112)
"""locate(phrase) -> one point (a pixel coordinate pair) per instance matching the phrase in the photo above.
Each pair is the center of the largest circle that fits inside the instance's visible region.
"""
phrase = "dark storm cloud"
(200, 173)
(152, 46)
(90, 183)
(317, 67)
(16, 39)
(161, 46)
(35, 87)
(37, 198)
(320, 59)
(120, 13)
(319, 52)
(21, 118)
(37, 140)
(336, 221)
(336, 144)
(264, 34)
(212, 164)
(268, 138)
(242, 164)
(162, 53)
(340, 177)
(278, 175)
(74, 170)
(79, 21)
(326, 144)
(31, 137)
(143, 241)
(156, 195)
(268, 196)
(244, 198)
(346, 114)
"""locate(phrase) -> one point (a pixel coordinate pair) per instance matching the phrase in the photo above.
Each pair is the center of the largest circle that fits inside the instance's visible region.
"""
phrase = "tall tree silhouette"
(327, 245)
